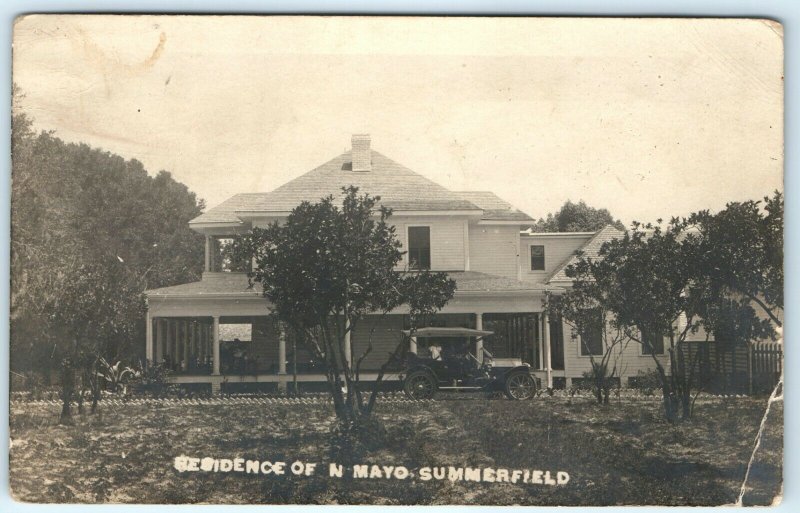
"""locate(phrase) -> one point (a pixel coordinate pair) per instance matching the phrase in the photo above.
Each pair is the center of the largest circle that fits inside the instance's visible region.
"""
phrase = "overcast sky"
(648, 118)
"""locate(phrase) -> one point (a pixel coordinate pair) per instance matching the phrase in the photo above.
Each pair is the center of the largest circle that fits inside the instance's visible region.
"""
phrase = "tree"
(583, 310)
(577, 217)
(642, 279)
(324, 270)
(90, 232)
(655, 281)
(742, 250)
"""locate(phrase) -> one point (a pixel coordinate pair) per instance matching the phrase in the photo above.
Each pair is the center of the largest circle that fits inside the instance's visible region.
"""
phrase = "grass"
(623, 453)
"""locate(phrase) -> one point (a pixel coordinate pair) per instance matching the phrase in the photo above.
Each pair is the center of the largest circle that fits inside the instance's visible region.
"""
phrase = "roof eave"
(506, 292)
(203, 295)
(504, 221)
(557, 234)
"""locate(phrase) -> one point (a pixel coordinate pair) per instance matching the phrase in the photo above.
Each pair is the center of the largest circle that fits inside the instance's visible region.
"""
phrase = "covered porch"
(187, 326)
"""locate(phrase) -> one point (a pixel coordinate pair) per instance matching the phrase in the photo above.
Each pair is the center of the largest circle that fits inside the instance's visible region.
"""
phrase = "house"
(502, 275)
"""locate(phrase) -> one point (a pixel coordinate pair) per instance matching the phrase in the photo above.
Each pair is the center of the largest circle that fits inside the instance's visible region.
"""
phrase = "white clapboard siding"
(493, 249)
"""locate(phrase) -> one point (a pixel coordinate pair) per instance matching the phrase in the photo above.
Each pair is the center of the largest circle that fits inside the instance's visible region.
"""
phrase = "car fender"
(519, 368)
(522, 368)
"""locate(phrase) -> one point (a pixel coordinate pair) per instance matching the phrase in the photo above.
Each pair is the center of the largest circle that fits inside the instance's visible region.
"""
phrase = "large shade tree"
(90, 232)
(670, 281)
(324, 270)
(742, 251)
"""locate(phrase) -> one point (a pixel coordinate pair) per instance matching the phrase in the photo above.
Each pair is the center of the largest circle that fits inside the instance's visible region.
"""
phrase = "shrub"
(151, 380)
(645, 381)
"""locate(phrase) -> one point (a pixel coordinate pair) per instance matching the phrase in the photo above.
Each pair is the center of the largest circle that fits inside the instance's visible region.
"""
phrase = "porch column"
(149, 339)
(176, 353)
(281, 348)
(215, 344)
(348, 350)
(548, 367)
(412, 345)
(479, 340)
(208, 254)
(159, 341)
(541, 342)
(185, 337)
(207, 349)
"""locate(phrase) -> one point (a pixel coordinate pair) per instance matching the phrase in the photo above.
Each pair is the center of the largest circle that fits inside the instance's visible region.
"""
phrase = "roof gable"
(591, 250)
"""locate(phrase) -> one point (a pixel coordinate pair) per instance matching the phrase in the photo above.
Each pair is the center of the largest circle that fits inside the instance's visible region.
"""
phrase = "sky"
(649, 118)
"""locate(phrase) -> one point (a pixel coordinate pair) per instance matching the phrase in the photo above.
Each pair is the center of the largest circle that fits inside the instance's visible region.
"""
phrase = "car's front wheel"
(520, 386)
(419, 385)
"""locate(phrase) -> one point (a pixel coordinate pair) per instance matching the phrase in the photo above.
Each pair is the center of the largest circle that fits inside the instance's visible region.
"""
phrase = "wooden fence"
(741, 369)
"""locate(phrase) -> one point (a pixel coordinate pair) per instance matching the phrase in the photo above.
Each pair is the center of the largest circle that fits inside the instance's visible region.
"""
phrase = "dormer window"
(419, 247)
(537, 258)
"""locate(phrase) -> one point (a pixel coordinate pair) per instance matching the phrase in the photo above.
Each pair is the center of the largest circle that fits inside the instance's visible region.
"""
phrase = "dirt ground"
(623, 453)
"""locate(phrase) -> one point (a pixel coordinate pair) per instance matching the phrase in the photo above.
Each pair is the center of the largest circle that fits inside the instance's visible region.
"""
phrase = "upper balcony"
(218, 257)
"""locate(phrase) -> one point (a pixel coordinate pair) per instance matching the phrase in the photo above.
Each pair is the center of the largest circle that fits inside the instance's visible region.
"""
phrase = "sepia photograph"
(396, 260)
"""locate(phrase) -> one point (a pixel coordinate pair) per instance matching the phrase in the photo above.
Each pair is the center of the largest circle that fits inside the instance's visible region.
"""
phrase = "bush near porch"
(620, 454)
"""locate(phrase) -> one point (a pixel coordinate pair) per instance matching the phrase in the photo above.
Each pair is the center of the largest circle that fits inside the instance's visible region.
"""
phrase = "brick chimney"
(362, 154)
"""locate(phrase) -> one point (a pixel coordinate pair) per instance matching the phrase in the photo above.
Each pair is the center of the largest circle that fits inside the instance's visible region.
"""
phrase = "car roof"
(447, 332)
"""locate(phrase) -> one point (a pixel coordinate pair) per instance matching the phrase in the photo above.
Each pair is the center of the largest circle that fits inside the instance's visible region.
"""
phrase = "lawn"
(623, 453)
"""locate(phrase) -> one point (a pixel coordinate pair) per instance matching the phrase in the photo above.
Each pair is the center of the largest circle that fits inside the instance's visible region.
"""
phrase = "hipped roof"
(398, 187)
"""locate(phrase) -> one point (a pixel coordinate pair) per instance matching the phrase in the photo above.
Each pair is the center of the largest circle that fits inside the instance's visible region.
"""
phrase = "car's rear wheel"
(520, 386)
(419, 385)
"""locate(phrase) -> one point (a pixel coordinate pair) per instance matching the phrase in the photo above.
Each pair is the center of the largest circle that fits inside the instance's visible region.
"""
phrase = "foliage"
(327, 267)
(664, 281)
(151, 379)
(577, 217)
(583, 309)
(741, 250)
(115, 376)
(647, 381)
(90, 232)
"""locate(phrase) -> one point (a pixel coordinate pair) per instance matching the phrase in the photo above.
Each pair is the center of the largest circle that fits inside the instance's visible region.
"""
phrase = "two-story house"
(501, 276)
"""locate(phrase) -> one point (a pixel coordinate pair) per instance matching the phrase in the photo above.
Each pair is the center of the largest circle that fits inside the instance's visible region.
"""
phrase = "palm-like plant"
(115, 375)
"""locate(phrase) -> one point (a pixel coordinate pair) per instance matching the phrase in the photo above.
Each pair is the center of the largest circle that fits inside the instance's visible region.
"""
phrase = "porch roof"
(235, 285)
(212, 284)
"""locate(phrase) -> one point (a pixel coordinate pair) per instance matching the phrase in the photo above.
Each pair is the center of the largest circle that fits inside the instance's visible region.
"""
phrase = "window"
(592, 337)
(537, 258)
(419, 247)
(653, 340)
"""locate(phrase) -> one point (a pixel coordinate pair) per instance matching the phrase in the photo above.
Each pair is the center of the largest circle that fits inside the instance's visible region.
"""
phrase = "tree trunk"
(67, 389)
(684, 391)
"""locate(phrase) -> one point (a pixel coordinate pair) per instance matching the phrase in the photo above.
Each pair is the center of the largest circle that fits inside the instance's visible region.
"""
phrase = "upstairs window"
(419, 247)
(537, 258)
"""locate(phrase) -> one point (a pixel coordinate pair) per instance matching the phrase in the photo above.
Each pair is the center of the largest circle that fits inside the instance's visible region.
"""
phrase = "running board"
(460, 388)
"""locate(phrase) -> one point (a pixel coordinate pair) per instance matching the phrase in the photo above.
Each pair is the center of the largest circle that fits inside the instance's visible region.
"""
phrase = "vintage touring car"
(444, 361)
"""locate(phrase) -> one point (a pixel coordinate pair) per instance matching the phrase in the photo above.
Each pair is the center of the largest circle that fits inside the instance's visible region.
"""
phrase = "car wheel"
(520, 386)
(419, 385)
